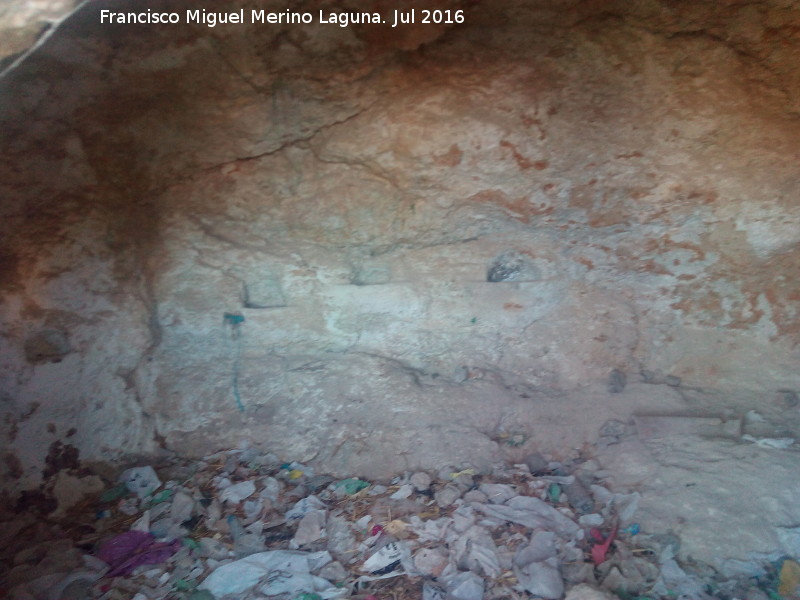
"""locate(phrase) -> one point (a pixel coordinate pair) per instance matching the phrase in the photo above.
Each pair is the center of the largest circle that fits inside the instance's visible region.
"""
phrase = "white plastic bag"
(283, 572)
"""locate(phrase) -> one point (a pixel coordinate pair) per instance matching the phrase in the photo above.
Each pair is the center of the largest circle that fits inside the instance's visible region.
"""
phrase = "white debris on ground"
(243, 525)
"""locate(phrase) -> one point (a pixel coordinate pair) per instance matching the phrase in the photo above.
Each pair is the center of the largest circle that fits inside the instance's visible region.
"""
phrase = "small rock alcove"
(380, 249)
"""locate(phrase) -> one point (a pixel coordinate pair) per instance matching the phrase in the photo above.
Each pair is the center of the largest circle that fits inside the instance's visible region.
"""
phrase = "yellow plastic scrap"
(460, 473)
(295, 474)
(396, 528)
(789, 579)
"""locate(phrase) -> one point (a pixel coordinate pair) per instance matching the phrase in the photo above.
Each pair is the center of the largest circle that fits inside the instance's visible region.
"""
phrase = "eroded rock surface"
(381, 249)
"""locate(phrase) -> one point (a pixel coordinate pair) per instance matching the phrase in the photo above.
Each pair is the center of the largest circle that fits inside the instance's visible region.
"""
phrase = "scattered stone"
(579, 497)
(447, 495)
(536, 463)
(672, 380)
(475, 496)
(421, 481)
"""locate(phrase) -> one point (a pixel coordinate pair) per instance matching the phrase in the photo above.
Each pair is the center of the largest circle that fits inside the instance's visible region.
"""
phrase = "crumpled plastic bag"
(351, 486)
(388, 558)
(673, 580)
(303, 506)
(310, 529)
(465, 586)
(541, 547)
(341, 540)
(142, 481)
(126, 551)
(541, 579)
(283, 571)
(532, 512)
(238, 491)
(625, 505)
(182, 507)
(431, 591)
(476, 551)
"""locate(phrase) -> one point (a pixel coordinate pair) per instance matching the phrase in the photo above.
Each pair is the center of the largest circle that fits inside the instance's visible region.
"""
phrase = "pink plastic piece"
(128, 550)
(599, 551)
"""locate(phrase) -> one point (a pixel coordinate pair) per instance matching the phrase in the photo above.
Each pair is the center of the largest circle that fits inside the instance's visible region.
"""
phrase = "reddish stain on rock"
(451, 158)
(523, 162)
(585, 262)
(521, 209)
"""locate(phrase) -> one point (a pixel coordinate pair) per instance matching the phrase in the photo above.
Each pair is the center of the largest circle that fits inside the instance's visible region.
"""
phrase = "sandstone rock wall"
(385, 248)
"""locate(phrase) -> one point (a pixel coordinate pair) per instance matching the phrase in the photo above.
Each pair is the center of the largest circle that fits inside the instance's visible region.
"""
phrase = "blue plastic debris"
(632, 529)
(233, 319)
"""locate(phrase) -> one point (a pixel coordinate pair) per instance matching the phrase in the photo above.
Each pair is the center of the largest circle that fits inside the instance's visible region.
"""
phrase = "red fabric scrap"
(600, 550)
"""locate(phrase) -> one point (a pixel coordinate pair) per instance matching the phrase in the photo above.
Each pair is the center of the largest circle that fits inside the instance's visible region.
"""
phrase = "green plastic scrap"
(161, 497)
(190, 543)
(554, 493)
(114, 493)
(352, 485)
(184, 586)
(308, 596)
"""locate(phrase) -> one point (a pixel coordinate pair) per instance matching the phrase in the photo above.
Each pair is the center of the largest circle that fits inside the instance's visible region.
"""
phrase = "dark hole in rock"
(512, 266)
(48, 345)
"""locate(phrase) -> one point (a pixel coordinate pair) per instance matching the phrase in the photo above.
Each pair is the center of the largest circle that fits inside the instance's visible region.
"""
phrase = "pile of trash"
(240, 524)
